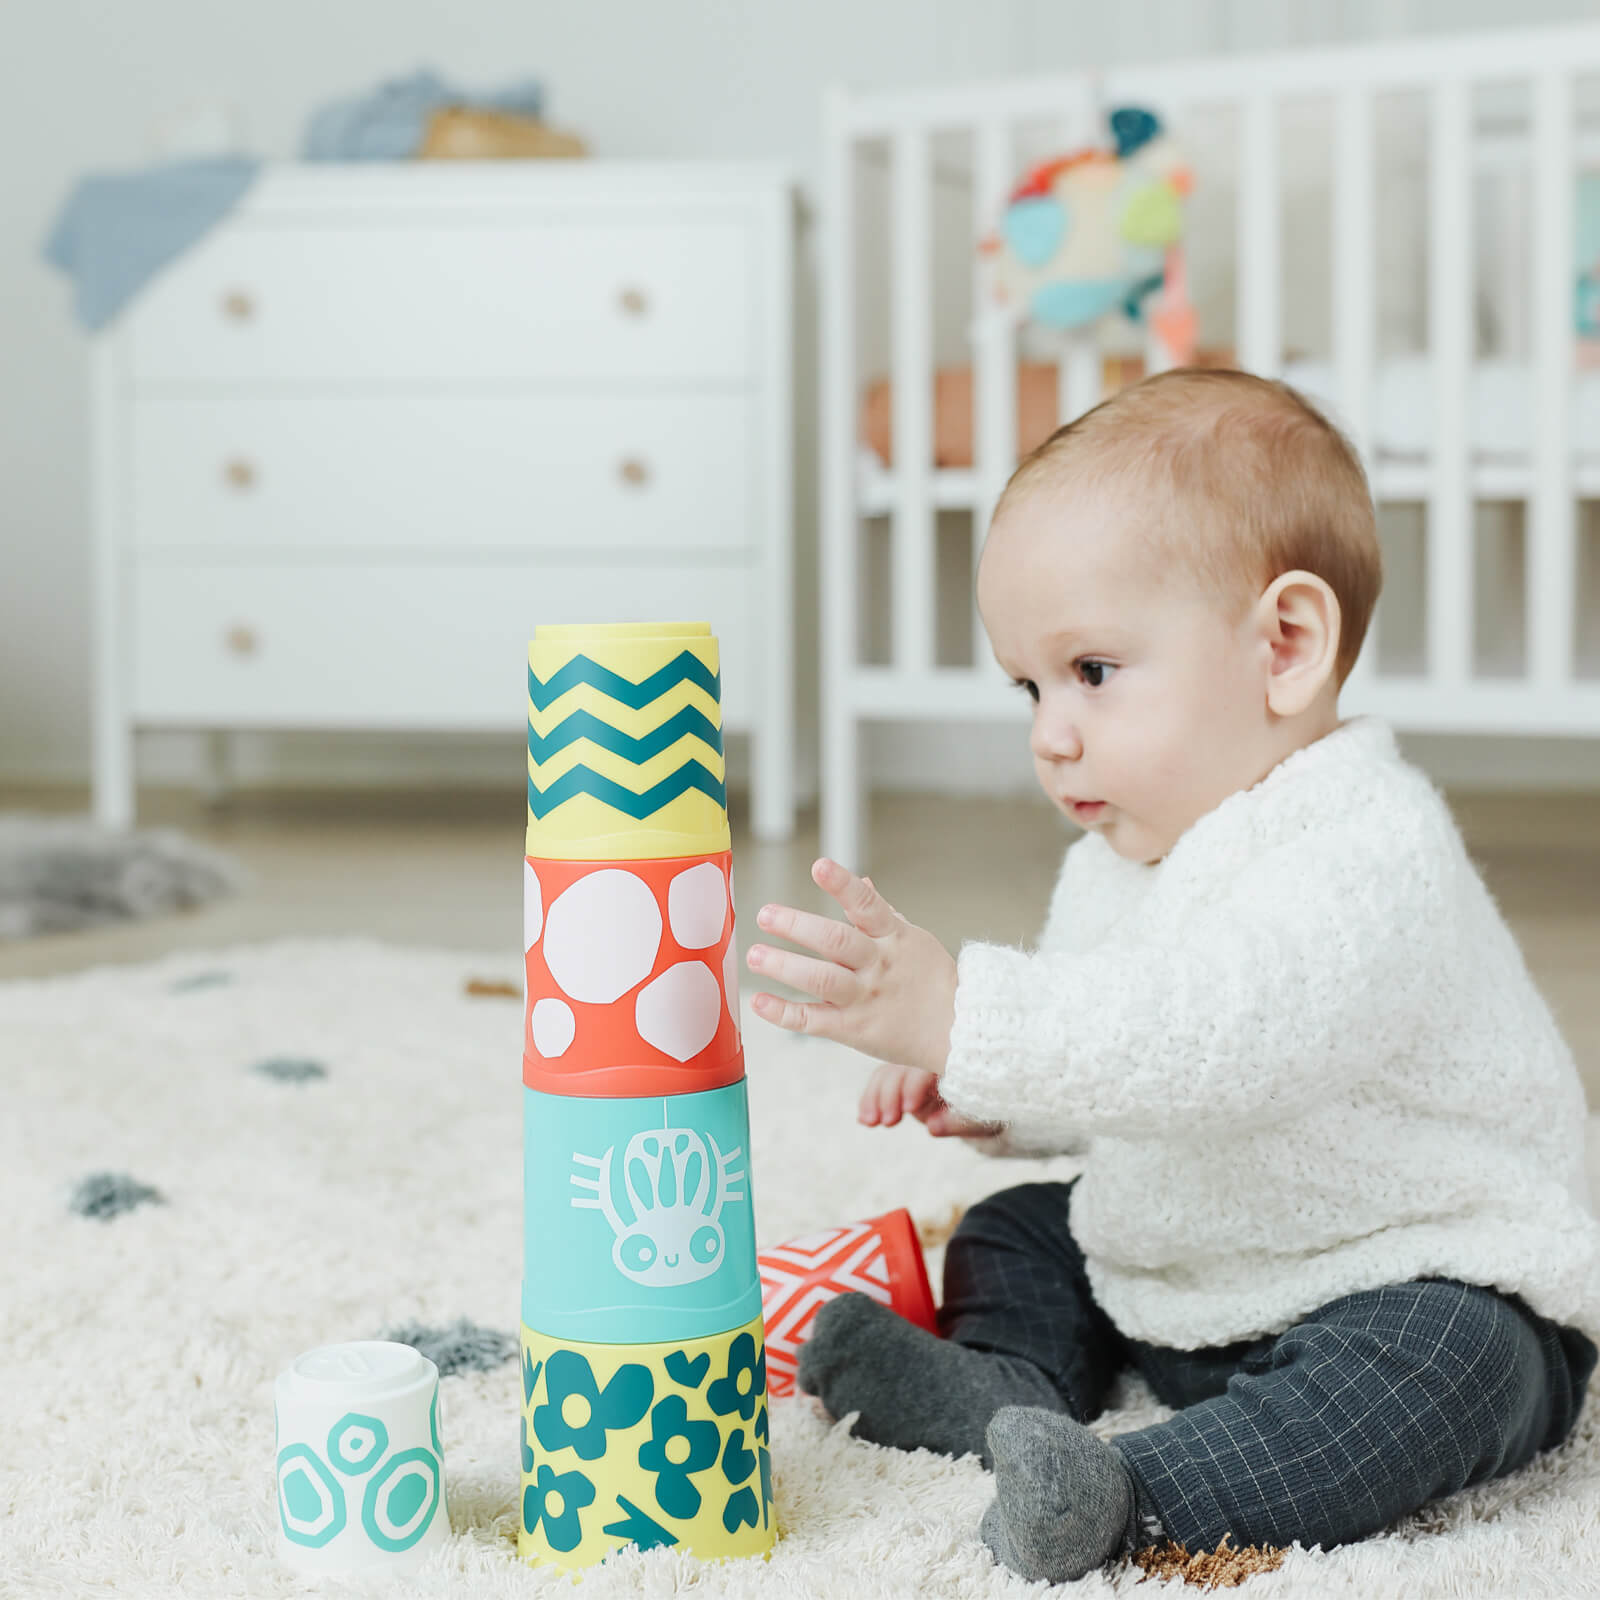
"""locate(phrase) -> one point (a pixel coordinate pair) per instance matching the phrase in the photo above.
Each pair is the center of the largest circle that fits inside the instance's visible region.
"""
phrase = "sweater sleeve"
(1014, 1143)
(1302, 974)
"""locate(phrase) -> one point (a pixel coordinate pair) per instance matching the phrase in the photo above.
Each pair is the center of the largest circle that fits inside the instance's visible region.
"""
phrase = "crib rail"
(1551, 696)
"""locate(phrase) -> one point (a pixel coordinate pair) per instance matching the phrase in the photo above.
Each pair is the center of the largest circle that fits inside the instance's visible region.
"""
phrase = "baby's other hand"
(895, 1091)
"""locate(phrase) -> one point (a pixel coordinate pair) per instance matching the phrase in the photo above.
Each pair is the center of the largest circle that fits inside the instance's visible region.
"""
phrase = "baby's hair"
(1249, 481)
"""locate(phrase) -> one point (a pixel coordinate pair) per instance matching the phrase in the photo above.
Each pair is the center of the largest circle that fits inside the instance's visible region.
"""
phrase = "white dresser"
(355, 444)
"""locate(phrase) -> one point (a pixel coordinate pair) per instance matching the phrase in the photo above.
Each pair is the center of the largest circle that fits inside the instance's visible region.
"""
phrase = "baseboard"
(971, 759)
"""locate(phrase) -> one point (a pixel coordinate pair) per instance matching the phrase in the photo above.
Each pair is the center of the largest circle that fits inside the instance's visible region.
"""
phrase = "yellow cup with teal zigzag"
(647, 1444)
(625, 751)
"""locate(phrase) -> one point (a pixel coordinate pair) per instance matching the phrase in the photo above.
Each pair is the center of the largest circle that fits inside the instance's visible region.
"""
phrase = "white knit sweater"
(1301, 1056)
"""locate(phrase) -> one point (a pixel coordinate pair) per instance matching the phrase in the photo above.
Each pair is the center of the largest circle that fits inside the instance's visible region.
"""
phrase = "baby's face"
(1150, 701)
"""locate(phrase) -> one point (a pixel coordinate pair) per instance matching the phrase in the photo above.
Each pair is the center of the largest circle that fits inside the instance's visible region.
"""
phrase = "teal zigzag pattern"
(684, 667)
(584, 780)
(686, 723)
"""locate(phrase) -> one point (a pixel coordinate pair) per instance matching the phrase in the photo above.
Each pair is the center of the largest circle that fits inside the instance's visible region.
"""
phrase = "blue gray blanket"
(115, 232)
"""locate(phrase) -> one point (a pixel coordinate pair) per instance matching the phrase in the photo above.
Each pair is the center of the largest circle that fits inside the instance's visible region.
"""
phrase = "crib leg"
(844, 801)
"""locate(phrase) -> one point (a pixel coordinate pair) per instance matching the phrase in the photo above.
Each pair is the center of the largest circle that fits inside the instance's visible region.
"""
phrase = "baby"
(1332, 1203)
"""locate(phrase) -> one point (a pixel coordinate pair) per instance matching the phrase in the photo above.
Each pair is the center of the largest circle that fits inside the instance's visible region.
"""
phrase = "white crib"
(1503, 124)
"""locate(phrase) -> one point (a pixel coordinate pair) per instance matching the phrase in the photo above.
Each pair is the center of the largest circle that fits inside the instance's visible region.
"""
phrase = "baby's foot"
(1064, 1500)
(912, 1389)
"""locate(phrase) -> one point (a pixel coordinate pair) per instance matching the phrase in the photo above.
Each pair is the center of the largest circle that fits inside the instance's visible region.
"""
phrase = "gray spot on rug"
(460, 1346)
(104, 1195)
(200, 980)
(58, 874)
(290, 1069)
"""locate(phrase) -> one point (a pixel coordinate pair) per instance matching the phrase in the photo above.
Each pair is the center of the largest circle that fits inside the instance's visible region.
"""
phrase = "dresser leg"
(113, 771)
(216, 783)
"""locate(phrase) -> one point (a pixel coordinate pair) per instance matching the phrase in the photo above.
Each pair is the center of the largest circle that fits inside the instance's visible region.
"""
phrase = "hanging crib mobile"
(1097, 231)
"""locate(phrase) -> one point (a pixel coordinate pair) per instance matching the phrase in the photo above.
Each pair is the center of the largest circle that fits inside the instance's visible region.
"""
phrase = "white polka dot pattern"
(680, 1011)
(697, 906)
(554, 1027)
(602, 936)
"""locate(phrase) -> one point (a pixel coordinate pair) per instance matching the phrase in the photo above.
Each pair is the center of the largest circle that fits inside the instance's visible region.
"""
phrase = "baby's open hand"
(884, 986)
(894, 1091)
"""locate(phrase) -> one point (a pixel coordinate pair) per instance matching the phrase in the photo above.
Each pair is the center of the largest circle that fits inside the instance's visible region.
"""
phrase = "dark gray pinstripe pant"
(1373, 1405)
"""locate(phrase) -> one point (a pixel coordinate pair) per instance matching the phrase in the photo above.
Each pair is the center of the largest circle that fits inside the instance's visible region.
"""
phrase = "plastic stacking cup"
(360, 1466)
(881, 1257)
(625, 754)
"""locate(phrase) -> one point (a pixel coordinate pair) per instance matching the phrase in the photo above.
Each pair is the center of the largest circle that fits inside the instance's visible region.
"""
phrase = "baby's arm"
(1281, 992)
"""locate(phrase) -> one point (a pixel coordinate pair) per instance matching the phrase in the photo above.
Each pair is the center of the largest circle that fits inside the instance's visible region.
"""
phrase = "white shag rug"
(139, 1351)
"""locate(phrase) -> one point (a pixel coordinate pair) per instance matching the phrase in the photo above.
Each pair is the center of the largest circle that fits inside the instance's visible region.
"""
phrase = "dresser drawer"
(547, 296)
(398, 645)
(442, 468)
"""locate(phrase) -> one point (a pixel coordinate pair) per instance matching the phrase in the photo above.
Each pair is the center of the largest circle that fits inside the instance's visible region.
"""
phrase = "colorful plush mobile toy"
(1100, 230)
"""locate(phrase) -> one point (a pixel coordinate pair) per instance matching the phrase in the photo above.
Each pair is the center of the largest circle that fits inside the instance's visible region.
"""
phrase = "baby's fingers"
(919, 1091)
(891, 1102)
(858, 899)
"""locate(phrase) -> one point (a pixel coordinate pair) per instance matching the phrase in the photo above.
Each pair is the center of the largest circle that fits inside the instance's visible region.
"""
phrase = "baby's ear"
(1299, 620)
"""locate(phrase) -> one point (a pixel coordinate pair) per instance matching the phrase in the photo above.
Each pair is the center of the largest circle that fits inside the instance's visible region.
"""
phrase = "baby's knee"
(1449, 1357)
(1017, 1217)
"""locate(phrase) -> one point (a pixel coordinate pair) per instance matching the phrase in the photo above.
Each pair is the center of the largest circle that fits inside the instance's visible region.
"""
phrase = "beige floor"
(442, 869)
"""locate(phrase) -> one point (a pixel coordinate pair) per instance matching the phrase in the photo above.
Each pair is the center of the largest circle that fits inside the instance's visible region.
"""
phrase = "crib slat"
(1079, 377)
(1355, 300)
(1157, 357)
(994, 361)
(1552, 521)
(1449, 582)
(1259, 274)
(840, 575)
(1078, 382)
(912, 557)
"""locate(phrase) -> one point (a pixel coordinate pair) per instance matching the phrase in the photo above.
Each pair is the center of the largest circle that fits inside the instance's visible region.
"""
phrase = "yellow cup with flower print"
(647, 1444)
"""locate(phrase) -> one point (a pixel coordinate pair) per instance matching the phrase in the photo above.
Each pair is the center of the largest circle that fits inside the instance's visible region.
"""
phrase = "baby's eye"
(1094, 673)
(1030, 686)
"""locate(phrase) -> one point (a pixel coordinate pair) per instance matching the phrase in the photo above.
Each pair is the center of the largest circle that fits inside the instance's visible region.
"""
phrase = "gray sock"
(1064, 1499)
(912, 1389)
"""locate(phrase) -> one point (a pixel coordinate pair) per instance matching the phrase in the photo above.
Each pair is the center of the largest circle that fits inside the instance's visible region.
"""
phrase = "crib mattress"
(1500, 406)
(1500, 412)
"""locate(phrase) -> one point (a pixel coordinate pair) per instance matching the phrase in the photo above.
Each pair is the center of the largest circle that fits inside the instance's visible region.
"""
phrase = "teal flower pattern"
(577, 1413)
(675, 1449)
(562, 1527)
(744, 1385)
(744, 1509)
(737, 1462)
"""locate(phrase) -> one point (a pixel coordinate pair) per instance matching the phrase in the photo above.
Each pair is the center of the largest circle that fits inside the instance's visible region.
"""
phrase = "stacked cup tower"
(644, 1392)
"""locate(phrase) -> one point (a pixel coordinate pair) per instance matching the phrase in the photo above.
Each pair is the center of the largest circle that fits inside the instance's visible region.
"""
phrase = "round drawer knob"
(239, 473)
(632, 470)
(634, 302)
(242, 640)
(238, 306)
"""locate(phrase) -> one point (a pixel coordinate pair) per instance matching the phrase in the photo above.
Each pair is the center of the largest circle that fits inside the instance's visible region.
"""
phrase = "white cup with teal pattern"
(360, 1467)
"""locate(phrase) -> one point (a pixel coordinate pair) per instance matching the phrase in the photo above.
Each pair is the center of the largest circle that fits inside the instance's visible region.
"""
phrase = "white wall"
(86, 84)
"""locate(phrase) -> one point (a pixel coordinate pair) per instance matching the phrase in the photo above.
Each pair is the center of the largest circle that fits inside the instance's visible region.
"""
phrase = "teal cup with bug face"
(638, 1225)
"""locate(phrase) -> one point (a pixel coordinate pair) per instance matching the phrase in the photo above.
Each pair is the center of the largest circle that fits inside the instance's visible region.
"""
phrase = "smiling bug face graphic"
(666, 1221)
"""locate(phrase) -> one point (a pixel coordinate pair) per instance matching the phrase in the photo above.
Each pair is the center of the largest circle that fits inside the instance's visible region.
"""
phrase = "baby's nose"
(1055, 741)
